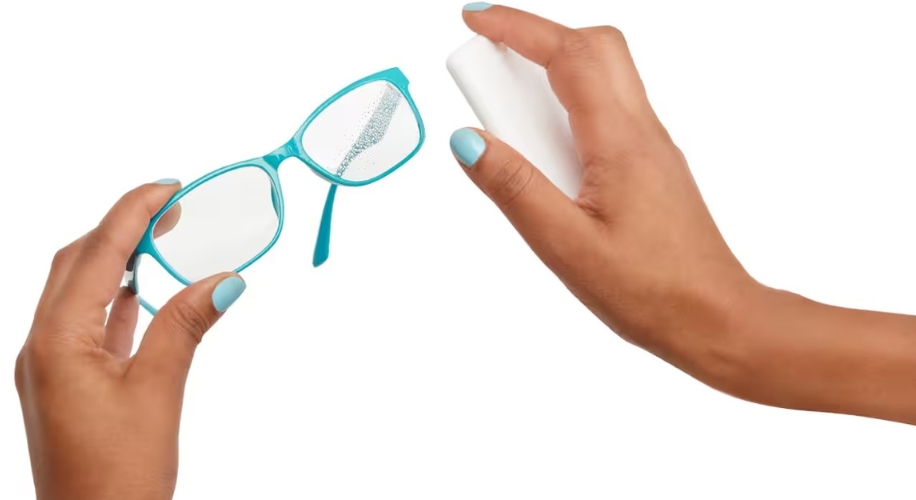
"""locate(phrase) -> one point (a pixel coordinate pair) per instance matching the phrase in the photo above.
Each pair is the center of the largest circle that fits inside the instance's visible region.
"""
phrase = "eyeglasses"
(229, 218)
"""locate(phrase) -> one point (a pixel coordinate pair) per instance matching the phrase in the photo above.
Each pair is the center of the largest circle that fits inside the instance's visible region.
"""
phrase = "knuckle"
(609, 34)
(576, 44)
(135, 209)
(189, 320)
(514, 178)
(63, 257)
(98, 240)
(134, 198)
(107, 239)
(37, 351)
(19, 372)
(33, 362)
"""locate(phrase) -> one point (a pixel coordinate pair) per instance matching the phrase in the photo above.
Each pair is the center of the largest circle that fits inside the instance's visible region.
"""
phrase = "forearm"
(785, 350)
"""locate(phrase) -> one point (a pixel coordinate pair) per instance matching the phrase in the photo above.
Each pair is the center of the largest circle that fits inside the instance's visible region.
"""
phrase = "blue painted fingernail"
(168, 181)
(227, 292)
(474, 6)
(467, 146)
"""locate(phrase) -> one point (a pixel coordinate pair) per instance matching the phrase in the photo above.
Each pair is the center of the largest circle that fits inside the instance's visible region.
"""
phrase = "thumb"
(552, 224)
(174, 333)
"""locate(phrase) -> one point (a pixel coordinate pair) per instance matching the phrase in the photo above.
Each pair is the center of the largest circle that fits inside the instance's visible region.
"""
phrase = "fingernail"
(474, 6)
(168, 181)
(467, 146)
(227, 292)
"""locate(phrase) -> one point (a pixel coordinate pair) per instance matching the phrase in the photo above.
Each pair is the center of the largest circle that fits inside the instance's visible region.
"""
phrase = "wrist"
(709, 333)
(113, 484)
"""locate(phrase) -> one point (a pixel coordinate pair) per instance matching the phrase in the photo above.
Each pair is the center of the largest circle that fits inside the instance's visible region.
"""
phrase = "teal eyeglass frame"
(270, 164)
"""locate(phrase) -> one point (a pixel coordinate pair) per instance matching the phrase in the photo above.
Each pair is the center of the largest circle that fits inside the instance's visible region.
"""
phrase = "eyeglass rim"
(269, 164)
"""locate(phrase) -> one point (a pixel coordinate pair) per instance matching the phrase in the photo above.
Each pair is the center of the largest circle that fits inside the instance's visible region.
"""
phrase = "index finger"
(99, 268)
(535, 38)
(589, 70)
(573, 62)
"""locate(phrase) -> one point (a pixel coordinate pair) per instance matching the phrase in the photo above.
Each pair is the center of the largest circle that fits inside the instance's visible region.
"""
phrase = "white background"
(433, 356)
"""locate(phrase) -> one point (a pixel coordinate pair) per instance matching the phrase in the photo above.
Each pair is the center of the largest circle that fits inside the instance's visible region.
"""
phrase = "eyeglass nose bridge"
(277, 156)
(323, 243)
(287, 151)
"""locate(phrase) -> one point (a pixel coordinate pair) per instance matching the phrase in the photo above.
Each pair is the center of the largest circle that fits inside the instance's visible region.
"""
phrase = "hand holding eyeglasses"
(640, 249)
(104, 424)
(100, 423)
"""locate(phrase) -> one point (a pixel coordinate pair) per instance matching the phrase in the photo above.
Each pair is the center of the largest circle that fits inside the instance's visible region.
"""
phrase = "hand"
(640, 249)
(638, 245)
(101, 424)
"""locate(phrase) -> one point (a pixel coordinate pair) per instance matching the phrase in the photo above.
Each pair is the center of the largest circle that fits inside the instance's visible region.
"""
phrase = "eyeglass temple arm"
(323, 243)
(130, 277)
(368, 137)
